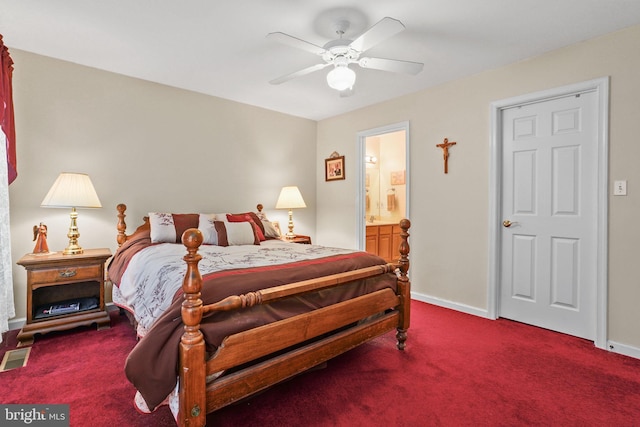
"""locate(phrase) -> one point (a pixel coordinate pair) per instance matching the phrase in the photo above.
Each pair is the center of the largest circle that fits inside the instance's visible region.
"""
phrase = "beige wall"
(449, 213)
(152, 147)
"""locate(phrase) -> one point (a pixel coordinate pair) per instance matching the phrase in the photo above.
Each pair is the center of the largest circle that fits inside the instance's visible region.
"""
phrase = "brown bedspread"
(152, 364)
(123, 255)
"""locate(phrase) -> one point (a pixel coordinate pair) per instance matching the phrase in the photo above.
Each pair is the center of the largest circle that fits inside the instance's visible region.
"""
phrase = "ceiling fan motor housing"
(340, 48)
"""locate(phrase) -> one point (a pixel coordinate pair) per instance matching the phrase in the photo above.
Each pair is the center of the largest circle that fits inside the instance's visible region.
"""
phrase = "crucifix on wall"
(445, 152)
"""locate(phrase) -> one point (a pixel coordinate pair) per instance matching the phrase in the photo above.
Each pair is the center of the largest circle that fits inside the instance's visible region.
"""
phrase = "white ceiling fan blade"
(393, 65)
(298, 73)
(382, 30)
(296, 42)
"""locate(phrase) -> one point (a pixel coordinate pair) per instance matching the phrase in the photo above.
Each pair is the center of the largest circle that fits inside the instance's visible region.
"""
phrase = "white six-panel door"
(549, 208)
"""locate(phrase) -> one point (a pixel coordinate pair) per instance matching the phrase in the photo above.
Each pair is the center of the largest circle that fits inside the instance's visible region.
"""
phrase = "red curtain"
(6, 109)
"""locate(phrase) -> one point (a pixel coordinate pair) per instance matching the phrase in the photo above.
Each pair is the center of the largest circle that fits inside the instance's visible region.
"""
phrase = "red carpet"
(457, 370)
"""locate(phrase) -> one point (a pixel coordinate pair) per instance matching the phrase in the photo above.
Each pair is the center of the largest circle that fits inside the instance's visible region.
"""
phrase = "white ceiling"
(219, 47)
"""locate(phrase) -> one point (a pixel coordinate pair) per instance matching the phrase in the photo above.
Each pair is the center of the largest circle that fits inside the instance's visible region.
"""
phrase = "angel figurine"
(40, 237)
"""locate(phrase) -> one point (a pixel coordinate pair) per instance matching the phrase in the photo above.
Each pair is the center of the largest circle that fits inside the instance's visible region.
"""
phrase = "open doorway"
(383, 187)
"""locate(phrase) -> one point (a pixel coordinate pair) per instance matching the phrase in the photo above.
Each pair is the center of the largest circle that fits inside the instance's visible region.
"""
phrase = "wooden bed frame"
(274, 352)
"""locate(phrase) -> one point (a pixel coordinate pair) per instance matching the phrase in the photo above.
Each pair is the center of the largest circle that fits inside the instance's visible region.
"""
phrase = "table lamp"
(290, 198)
(72, 190)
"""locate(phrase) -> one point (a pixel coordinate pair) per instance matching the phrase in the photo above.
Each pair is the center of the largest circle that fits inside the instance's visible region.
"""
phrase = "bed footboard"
(287, 347)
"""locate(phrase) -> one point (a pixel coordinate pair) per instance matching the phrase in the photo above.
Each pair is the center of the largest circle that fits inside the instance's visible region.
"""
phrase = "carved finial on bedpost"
(122, 226)
(404, 284)
(192, 284)
(193, 404)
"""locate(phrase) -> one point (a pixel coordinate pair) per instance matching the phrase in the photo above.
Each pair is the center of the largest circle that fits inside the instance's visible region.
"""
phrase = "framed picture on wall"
(334, 168)
(397, 178)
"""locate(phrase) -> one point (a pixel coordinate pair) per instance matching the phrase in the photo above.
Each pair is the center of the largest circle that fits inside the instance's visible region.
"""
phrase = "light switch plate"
(620, 188)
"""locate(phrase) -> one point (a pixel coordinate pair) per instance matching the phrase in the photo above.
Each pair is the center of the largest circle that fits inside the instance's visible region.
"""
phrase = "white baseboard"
(623, 349)
(17, 323)
(612, 346)
(481, 312)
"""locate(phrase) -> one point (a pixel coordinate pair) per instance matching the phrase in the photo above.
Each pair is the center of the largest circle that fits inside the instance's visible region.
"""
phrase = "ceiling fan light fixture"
(341, 78)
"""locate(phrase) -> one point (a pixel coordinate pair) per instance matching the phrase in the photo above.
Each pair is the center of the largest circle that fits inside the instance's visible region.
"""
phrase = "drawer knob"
(67, 273)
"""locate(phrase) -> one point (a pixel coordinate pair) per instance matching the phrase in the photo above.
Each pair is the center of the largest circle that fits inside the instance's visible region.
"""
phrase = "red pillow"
(255, 219)
(247, 218)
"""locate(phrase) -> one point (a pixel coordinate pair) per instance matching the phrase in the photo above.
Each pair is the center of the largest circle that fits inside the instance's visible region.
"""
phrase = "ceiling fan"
(342, 52)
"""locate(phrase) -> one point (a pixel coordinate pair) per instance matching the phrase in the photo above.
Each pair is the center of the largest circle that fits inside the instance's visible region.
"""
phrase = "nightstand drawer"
(66, 274)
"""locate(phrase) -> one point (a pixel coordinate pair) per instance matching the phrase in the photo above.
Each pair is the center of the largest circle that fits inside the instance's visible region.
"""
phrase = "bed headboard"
(122, 226)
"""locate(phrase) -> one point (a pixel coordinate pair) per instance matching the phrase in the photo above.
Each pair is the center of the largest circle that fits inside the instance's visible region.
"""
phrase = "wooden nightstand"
(55, 280)
(299, 238)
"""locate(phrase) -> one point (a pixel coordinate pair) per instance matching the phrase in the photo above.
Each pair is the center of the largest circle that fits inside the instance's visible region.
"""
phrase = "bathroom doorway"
(383, 187)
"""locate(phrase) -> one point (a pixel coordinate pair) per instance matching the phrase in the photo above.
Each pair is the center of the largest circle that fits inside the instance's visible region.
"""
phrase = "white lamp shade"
(341, 78)
(72, 190)
(290, 198)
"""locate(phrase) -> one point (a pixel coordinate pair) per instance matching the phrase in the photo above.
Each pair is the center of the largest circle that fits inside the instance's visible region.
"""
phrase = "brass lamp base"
(73, 234)
(72, 250)
(290, 235)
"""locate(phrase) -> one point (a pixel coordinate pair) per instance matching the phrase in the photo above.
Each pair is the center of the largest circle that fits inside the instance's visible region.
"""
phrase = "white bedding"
(155, 274)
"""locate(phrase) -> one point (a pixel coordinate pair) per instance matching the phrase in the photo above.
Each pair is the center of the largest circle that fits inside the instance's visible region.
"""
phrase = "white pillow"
(208, 229)
(221, 217)
(163, 229)
(270, 230)
(236, 233)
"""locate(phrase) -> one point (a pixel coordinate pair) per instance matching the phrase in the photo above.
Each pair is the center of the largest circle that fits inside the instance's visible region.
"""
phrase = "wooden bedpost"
(122, 226)
(193, 403)
(404, 285)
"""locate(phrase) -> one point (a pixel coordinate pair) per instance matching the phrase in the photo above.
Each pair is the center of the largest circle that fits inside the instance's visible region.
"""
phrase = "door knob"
(507, 223)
